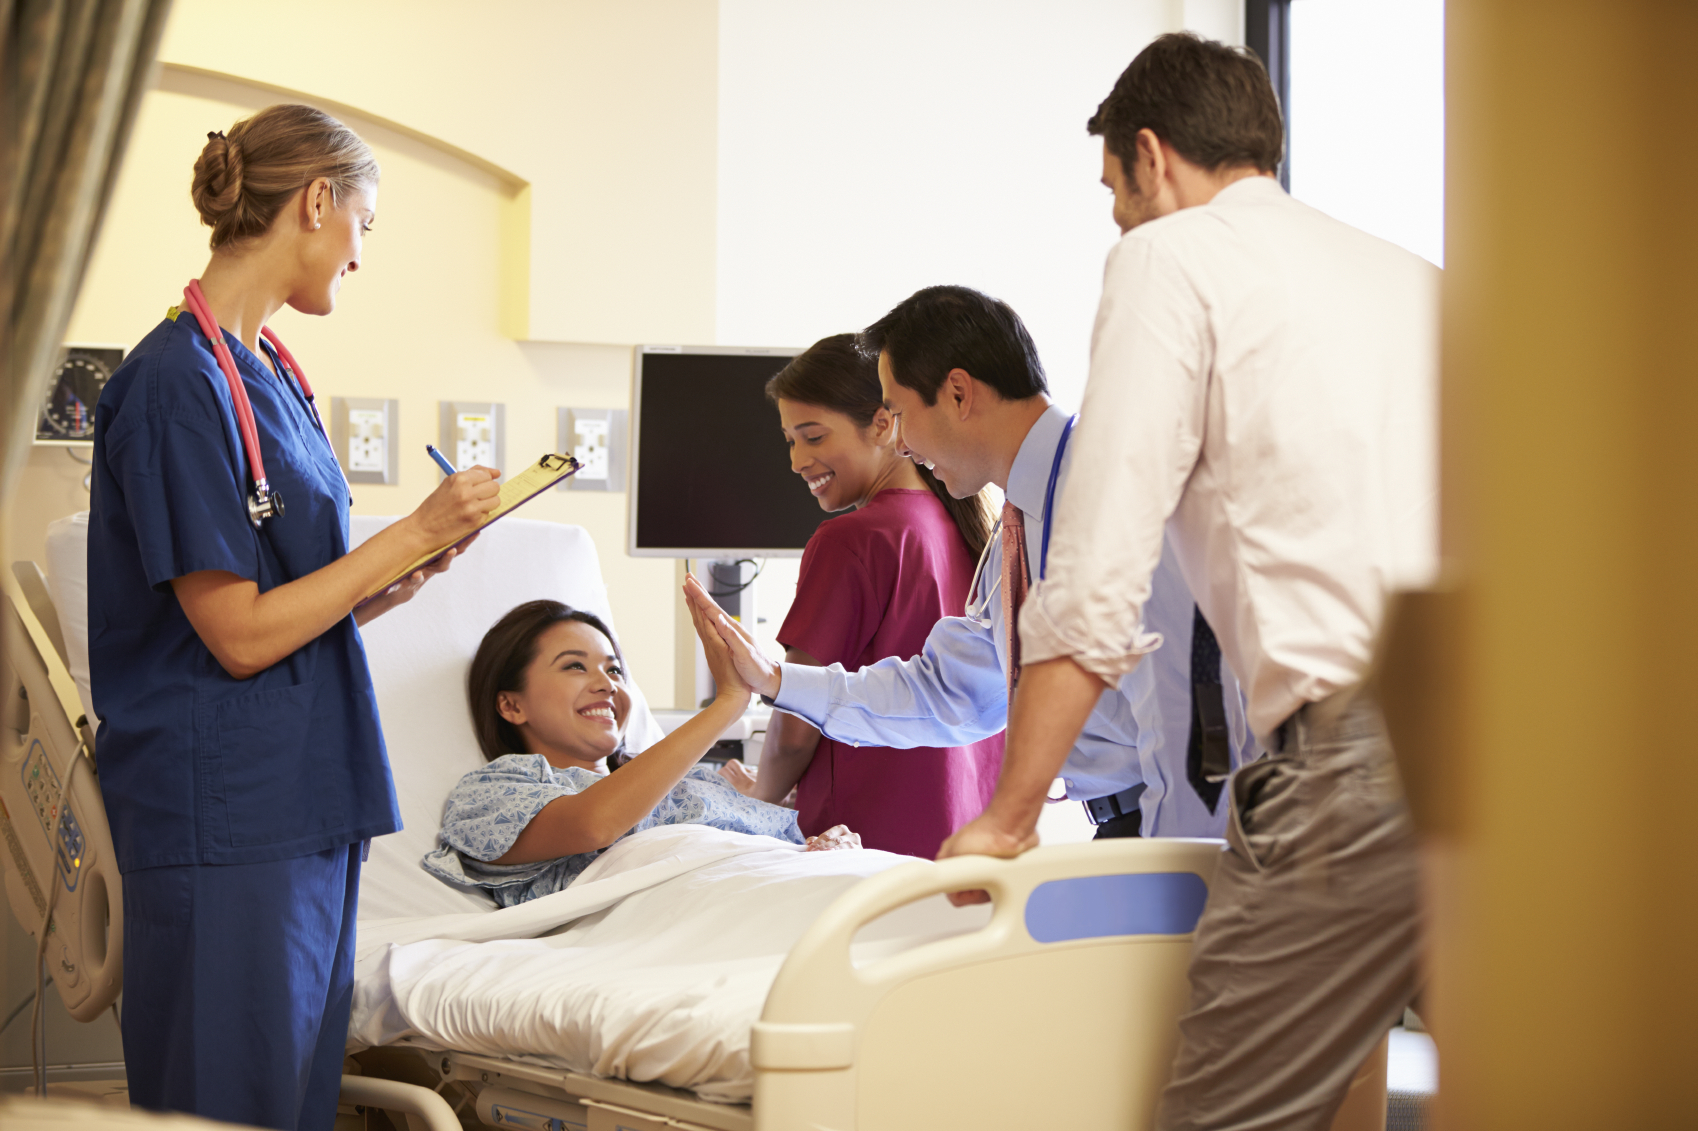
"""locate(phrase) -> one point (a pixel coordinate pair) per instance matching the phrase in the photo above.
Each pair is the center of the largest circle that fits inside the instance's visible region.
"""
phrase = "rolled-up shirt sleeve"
(1139, 434)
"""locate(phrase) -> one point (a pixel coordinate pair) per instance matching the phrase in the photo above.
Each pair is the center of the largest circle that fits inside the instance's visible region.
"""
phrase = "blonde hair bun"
(217, 187)
(243, 180)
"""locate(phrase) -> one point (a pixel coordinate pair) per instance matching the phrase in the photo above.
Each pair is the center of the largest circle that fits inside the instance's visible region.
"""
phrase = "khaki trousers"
(1307, 951)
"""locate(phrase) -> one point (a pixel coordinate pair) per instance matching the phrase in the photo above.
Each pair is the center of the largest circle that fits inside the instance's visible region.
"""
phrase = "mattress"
(651, 967)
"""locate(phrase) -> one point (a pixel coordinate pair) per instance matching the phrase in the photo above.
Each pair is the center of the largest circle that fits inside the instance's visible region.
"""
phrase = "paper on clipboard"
(515, 493)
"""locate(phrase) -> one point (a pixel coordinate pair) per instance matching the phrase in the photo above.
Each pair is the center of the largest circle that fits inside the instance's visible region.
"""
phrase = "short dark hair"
(1212, 103)
(504, 653)
(941, 328)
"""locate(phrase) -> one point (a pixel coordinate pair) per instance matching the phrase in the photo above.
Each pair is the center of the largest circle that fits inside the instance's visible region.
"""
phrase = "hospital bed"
(1056, 1005)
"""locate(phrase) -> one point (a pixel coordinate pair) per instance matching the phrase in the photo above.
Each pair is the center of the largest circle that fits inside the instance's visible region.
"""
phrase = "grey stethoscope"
(978, 602)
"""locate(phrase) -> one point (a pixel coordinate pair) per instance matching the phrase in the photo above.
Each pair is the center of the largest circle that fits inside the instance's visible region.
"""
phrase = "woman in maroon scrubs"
(874, 581)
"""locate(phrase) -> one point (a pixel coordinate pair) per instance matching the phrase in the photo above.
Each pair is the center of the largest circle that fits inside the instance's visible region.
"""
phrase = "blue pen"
(441, 460)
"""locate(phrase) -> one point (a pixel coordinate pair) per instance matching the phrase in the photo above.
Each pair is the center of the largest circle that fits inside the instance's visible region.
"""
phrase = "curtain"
(73, 74)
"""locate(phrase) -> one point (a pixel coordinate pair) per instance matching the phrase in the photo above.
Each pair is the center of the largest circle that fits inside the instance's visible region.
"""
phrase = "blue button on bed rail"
(1139, 903)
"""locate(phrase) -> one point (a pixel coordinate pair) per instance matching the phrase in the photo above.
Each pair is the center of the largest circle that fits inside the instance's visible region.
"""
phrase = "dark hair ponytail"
(833, 373)
(506, 650)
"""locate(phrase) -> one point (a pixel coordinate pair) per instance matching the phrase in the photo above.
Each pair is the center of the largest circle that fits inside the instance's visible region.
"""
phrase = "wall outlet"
(589, 444)
(596, 437)
(366, 434)
(472, 433)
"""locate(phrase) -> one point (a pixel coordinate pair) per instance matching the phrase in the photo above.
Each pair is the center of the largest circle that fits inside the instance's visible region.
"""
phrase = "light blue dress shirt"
(956, 690)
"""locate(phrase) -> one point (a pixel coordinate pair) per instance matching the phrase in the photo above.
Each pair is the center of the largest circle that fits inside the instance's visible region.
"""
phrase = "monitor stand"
(730, 584)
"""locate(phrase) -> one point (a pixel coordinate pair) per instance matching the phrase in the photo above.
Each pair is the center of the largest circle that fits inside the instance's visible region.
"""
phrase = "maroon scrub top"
(873, 583)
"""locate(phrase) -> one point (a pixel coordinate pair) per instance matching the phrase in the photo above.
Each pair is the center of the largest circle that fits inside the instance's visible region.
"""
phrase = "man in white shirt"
(1262, 387)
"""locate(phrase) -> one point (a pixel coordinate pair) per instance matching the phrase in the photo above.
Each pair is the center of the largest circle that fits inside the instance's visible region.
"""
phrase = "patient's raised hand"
(834, 838)
(761, 674)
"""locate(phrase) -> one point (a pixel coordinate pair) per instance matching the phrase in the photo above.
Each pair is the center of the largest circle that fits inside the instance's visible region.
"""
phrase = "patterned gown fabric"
(490, 808)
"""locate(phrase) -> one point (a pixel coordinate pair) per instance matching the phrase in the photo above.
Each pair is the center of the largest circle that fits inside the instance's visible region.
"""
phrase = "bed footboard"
(1066, 1002)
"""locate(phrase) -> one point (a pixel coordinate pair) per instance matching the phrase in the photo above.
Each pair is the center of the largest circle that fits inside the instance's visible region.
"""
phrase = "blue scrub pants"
(238, 979)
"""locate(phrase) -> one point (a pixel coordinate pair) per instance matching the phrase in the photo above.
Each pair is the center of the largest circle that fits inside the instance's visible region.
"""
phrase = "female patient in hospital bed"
(549, 705)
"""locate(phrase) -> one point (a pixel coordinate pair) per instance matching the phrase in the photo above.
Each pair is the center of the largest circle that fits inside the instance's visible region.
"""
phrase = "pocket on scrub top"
(278, 783)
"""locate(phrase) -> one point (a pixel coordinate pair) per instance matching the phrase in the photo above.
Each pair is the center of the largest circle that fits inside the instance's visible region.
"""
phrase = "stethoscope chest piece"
(264, 503)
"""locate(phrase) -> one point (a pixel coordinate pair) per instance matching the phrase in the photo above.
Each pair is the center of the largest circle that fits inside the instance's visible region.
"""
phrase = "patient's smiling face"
(843, 465)
(574, 703)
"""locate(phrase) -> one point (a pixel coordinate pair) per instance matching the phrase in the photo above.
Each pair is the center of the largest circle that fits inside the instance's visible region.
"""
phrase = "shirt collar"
(1248, 188)
(1028, 479)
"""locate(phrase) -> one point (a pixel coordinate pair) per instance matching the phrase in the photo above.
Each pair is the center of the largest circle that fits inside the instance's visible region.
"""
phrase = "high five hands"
(761, 674)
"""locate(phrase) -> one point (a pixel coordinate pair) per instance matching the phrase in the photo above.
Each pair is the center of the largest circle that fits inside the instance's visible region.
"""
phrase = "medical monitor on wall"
(710, 475)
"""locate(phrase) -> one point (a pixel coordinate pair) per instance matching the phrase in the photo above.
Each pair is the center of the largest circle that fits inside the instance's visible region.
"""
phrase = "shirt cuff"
(804, 691)
(1052, 627)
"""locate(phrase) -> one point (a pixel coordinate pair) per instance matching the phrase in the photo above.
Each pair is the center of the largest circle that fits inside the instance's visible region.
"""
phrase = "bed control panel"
(41, 783)
(501, 1107)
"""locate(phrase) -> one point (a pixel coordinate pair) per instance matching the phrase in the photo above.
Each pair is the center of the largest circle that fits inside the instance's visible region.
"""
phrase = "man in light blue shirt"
(989, 420)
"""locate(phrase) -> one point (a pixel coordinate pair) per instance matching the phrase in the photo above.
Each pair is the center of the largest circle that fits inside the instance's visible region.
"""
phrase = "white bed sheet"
(654, 966)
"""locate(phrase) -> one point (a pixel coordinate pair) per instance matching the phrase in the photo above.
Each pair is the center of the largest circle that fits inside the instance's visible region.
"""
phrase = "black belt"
(1102, 810)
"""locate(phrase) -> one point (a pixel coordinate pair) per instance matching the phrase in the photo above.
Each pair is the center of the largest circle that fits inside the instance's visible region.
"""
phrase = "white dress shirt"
(1265, 377)
(956, 690)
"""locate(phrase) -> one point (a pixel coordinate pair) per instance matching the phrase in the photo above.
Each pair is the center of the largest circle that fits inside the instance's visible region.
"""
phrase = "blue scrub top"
(198, 767)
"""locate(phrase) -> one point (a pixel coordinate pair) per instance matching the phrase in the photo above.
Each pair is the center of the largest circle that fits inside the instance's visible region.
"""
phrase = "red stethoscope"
(263, 502)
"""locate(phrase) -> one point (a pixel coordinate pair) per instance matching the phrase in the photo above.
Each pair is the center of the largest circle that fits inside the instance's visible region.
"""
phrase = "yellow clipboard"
(515, 493)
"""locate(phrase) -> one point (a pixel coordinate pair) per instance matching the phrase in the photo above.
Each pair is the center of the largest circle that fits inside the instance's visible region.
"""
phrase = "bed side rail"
(55, 852)
(420, 1108)
(1080, 974)
(1083, 891)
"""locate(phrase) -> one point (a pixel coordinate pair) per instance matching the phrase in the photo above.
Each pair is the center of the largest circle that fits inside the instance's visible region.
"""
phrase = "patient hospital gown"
(490, 808)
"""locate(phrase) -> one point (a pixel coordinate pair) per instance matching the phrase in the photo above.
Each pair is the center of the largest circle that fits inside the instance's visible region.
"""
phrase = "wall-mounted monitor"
(710, 475)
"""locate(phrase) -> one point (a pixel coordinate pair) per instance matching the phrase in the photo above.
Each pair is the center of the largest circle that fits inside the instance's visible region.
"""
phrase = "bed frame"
(1005, 1026)
(1022, 1023)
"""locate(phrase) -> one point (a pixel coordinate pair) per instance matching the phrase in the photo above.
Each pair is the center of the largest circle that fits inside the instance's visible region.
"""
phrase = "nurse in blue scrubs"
(240, 753)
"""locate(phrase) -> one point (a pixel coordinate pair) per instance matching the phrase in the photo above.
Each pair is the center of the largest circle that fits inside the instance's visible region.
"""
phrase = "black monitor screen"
(713, 474)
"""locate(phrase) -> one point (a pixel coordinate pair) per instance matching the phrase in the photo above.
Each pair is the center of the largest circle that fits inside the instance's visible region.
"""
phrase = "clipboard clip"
(553, 461)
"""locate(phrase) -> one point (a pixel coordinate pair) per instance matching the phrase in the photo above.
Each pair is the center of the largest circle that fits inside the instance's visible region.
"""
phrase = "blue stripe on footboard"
(1139, 903)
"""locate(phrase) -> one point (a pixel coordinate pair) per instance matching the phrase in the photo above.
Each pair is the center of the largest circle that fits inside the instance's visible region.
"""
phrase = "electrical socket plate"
(473, 432)
(597, 438)
(366, 433)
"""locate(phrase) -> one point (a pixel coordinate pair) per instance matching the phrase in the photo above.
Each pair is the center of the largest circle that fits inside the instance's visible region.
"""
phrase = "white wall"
(867, 150)
(1367, 116)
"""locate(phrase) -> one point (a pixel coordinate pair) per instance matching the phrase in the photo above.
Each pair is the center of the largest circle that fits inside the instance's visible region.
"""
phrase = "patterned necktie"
(1208, 756)
(1016, 579)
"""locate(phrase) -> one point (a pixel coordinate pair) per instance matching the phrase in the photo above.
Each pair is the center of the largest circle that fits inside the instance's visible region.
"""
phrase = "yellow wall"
(608, 110)
(601, 116)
